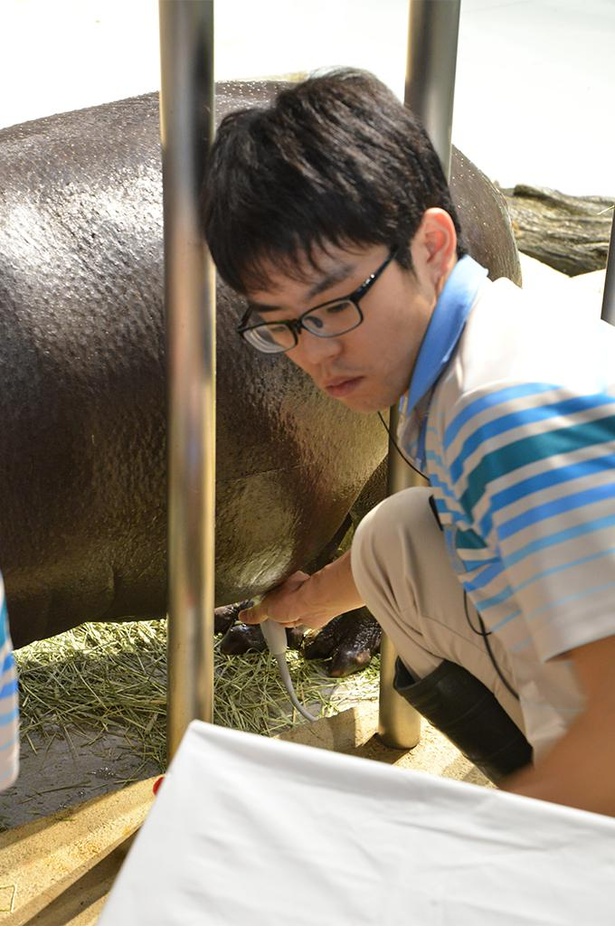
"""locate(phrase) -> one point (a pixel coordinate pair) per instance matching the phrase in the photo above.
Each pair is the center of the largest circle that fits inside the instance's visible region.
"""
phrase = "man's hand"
(579, 769)
(309, 601)
(278, 605)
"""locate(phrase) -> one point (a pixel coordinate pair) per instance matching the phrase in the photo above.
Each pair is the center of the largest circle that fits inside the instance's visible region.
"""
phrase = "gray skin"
(82, 405)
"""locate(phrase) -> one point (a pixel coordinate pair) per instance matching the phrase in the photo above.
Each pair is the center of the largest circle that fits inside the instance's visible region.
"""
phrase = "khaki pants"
(402, 570)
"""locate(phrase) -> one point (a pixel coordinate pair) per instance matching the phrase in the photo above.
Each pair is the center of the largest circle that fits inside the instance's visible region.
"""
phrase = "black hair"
(336, 160)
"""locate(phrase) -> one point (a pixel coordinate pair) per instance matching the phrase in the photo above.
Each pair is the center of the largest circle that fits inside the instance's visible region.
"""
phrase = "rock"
(569, 233)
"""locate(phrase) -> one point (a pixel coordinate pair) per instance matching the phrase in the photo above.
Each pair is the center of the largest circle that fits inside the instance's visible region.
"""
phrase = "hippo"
(83, 492)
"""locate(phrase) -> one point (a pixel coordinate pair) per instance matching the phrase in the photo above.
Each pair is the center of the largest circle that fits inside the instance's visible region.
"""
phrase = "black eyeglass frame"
(295, 326)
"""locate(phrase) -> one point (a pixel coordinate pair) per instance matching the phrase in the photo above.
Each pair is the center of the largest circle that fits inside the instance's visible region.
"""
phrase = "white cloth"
(249, 830)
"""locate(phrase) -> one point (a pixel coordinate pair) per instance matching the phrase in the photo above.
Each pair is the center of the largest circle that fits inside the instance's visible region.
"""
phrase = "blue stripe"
(601, 554)
(10, 688)
(10, 744)
(503, 596)
(468, 540)
(573, 597)
(497, 397)
(471, 565)
(532, 449)
(492, 572)
(547, 510)
(436, 482)
(522, 418)
(8, 663)
(435, 459)
(486, 576)
(9, 716)
(500, 624)
(489, 573)
(540, 481)
(559, 537)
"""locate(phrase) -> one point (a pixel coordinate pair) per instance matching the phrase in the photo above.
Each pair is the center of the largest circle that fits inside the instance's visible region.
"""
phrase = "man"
(330, 213)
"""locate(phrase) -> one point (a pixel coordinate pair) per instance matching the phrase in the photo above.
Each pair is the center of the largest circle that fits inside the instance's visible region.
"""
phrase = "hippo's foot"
(348, 641)
(226, 616)
(243, 638)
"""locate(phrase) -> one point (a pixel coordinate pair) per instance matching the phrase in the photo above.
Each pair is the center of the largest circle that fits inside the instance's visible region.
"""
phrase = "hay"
(111, 678)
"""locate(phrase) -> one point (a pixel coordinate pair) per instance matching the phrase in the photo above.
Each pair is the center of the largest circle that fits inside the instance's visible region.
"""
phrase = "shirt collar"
(444, 330)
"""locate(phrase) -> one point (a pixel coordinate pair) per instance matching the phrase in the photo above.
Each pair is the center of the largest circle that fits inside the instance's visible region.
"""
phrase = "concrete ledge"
(59, 869)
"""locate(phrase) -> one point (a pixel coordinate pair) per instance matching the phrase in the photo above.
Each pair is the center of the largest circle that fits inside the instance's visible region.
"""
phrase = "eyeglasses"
(325, 321)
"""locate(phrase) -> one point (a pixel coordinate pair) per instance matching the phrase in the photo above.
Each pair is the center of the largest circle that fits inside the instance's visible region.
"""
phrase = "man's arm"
(309, 600)
(580, 769)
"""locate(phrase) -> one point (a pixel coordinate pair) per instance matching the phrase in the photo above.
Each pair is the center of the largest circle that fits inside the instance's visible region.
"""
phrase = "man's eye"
(276, 328)
(336, 308)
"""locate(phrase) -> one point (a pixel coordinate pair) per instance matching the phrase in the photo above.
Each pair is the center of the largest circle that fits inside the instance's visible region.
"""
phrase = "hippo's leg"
(348, 642)
(226, 616)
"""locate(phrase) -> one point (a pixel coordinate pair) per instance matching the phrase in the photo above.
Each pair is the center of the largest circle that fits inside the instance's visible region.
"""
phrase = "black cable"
(482, 630)
(398, 449)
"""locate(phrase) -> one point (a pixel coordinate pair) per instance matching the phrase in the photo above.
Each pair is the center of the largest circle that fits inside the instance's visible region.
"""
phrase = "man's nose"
(312, 350)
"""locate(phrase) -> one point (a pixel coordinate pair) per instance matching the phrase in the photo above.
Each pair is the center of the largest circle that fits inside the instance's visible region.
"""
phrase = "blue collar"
(444, 330)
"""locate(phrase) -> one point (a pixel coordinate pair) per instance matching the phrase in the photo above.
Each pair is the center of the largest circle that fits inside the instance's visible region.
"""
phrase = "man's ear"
(434, 247)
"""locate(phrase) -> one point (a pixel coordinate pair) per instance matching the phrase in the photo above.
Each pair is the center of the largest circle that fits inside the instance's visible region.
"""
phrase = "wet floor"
(63, 769)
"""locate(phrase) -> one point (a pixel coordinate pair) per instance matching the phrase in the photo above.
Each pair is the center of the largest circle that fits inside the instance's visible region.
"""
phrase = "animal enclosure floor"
(57, 774)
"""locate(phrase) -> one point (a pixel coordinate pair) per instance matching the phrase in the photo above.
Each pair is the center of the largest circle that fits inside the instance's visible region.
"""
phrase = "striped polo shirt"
(511, 415)
(9, 711)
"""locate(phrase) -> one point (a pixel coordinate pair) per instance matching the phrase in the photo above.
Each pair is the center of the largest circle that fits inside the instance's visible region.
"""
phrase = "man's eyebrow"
(262, 307)
(336, 275)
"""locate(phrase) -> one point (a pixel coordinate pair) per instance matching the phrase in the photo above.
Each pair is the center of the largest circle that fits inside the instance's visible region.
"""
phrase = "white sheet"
(246, 830)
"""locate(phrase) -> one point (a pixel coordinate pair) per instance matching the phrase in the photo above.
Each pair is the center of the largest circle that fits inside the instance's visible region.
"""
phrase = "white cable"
(275, 637)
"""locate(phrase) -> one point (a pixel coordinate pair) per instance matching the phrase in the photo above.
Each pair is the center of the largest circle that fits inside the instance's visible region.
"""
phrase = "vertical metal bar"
(187, 127)
(608, 299)
(433, 29)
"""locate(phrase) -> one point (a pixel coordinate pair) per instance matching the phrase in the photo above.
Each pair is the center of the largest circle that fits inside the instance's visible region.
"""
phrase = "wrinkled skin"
(83, 457)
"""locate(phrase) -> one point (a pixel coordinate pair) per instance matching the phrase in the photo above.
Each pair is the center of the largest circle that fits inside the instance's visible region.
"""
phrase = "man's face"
(368, 368)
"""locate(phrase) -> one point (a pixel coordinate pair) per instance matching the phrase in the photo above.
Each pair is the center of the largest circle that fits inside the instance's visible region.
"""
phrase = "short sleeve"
(538, 485)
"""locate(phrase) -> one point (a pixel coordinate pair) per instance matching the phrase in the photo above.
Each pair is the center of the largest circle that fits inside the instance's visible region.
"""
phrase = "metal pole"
(433, 29)
(608, 300)
(187, 128)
